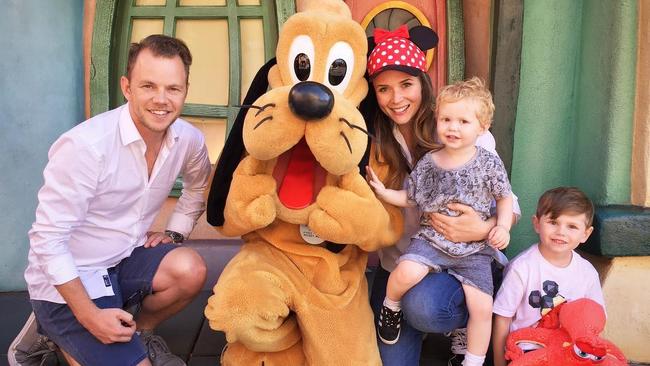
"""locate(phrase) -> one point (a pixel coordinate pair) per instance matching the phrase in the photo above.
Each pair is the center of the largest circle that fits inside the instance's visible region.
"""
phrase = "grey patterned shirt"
(476, 183)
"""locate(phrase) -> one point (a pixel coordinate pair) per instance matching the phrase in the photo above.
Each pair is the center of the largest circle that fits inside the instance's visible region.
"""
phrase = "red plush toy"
(570, 338)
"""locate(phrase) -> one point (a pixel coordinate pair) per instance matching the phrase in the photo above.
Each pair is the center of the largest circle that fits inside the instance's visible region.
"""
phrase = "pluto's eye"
(302, 66)
(301, 55)
(337, 72)
(341, 64)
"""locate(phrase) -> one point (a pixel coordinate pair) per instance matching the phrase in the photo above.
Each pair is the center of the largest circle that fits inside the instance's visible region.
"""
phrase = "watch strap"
(176, 237)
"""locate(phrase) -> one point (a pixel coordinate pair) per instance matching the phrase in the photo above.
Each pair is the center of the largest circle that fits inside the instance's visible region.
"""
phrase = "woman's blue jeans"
(435, 305)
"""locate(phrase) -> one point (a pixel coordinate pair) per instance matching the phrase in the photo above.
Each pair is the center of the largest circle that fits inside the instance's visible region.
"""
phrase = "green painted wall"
(41, 77)
(576, 102)
(605, 100)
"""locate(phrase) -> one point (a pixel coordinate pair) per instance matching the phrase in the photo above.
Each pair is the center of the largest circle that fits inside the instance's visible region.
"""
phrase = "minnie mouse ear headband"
(401, 49)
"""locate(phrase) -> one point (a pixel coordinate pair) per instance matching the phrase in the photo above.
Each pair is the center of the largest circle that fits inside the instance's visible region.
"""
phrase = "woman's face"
(399, 95)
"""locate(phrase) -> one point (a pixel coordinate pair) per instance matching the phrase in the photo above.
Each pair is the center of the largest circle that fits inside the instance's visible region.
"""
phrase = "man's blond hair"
(473, 88)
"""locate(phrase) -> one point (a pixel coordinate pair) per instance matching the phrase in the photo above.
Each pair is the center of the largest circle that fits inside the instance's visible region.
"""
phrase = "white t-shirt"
(529, 277)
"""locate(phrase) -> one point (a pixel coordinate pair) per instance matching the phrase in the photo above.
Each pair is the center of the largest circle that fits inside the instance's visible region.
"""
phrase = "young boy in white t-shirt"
(547, 272)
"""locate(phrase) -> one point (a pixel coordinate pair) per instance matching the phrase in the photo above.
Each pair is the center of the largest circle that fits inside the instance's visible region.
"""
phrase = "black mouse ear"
(371, 45)
(233, 150)
(423, 37)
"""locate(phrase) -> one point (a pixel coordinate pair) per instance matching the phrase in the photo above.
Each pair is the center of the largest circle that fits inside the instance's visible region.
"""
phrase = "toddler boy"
(549, 271)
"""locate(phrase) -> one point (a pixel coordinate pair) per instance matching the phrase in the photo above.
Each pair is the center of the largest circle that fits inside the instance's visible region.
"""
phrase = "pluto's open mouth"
(299, 177)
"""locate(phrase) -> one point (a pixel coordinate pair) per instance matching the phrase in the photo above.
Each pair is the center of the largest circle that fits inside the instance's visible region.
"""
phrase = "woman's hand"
(467, 226)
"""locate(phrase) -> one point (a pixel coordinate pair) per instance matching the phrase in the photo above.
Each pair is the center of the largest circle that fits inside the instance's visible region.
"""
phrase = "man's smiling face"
(156, 91)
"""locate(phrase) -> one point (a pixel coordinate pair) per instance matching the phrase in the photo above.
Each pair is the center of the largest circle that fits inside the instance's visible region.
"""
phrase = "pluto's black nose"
(311, 100)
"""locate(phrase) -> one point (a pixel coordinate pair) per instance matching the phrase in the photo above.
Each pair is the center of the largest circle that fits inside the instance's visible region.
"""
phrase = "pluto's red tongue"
(297, 188)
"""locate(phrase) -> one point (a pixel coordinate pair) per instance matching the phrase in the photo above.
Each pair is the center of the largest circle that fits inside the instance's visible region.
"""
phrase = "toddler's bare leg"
(406, 275)
(479, 326)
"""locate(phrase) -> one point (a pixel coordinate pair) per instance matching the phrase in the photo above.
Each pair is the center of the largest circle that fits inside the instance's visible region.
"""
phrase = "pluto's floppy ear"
(368, 109)
(233, 150)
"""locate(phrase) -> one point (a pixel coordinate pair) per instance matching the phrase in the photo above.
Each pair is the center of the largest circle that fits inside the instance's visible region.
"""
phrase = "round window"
(392, 14)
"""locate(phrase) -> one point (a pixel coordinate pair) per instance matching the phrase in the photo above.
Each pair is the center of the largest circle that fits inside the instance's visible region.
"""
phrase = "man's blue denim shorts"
(132, 280)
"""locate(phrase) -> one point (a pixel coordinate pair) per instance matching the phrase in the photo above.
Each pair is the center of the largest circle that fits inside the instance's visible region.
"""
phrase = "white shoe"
(30, 348)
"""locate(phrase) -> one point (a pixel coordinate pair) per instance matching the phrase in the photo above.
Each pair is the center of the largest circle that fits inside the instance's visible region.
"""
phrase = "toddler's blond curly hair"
(473, 88)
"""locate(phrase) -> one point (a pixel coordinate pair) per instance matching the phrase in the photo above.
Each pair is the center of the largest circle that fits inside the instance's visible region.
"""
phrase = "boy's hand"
(499, 237)
(375, 183)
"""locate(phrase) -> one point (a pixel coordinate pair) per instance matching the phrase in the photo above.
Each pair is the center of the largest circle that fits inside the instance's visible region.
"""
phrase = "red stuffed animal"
(571, 339)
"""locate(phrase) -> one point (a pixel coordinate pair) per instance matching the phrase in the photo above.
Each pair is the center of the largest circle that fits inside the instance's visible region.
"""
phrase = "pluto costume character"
(296, 293)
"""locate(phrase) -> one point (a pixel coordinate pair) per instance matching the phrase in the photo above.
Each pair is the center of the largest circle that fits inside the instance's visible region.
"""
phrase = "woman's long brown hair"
(389, 151)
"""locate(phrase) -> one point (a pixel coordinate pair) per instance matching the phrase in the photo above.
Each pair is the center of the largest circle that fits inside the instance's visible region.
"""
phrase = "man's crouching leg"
(178, 278)
(177, 281)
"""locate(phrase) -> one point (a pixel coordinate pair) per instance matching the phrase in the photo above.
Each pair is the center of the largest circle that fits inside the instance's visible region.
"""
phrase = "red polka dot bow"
(394, 50)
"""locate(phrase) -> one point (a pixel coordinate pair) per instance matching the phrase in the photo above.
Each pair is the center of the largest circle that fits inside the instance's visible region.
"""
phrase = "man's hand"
(109, 325)
(499, 237)
(154, 238)
(466, 227)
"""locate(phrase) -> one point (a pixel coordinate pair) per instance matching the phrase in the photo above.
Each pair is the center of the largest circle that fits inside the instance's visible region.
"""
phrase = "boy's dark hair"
(563, 200)
(162, 46)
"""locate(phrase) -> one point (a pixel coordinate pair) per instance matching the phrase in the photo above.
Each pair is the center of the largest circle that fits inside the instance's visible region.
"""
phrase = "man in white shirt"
(106, 180)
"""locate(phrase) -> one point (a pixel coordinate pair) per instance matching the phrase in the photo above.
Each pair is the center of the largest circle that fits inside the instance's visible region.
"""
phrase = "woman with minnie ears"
(403, 123)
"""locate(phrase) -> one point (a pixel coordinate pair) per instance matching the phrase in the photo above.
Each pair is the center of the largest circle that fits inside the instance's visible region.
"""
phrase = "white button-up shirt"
(98, 201)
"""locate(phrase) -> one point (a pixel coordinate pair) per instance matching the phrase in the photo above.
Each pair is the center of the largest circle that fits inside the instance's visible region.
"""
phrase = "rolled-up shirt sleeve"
(191, 203)
(70, 183)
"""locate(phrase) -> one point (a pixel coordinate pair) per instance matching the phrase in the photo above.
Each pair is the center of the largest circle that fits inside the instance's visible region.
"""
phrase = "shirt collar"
(172, 135)
(129, 133)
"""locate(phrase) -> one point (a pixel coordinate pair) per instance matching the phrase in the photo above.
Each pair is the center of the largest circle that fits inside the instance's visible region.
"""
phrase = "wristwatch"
(176, 238)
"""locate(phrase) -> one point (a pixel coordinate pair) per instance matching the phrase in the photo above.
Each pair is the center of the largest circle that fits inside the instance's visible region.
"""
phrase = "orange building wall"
(477, 19)
(434, 11)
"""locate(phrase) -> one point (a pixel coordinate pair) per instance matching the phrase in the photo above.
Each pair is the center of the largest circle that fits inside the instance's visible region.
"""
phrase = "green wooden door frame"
(107, 46)
(506, 64)
(100, 66)
(455, 41)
